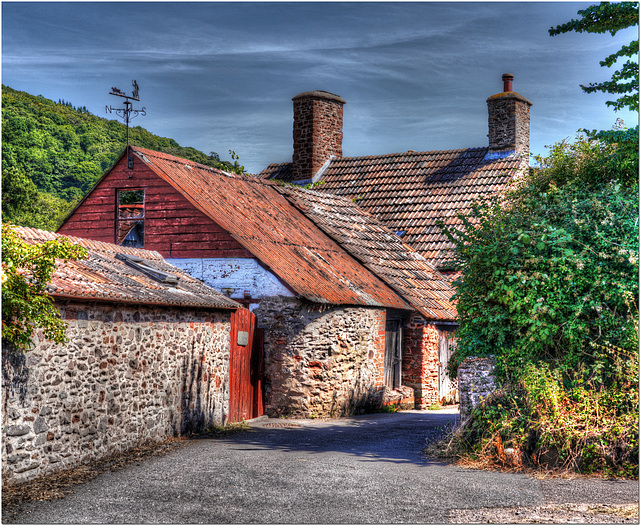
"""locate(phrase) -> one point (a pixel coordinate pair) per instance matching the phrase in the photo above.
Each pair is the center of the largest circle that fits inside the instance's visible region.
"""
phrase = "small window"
(130, 220)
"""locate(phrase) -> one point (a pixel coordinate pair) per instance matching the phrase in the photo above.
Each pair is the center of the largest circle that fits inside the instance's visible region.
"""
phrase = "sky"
(219, 76)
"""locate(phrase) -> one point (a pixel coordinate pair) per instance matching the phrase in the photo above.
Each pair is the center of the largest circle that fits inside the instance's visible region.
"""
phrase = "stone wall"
(128, 375)
(321, 361)
(420, 360)
(475, 382)
(509, 122)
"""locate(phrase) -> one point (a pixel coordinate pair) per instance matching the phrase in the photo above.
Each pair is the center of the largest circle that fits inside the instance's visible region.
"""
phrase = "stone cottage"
(333, 314)
(411, 193)
(148, 357)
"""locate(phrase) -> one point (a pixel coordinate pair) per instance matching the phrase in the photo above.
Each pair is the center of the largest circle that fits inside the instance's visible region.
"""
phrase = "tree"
(25, 205)
(26, 272)
(611, 18)
(550, 270)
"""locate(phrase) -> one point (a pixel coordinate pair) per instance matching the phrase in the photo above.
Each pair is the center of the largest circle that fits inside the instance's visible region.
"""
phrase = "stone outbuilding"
(148, 357)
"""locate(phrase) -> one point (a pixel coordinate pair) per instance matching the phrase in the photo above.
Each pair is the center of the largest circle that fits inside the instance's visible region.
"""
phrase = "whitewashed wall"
(234, 276)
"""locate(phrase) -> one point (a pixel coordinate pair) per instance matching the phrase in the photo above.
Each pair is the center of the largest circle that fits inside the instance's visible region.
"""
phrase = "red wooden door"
(246, 364)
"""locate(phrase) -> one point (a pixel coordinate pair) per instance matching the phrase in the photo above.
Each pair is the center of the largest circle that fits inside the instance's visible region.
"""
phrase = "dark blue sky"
(220, 76)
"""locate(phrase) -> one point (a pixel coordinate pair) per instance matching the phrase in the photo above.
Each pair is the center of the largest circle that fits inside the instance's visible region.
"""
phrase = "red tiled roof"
(103, 277)
(279, 235)
(379, 249)
(412, 191)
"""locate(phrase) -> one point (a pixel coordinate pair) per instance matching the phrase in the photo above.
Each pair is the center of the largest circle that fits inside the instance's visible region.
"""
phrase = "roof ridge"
(410, 152)
(168, 157)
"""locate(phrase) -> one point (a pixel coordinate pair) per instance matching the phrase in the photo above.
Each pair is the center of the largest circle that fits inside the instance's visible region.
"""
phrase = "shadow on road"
(393, 438)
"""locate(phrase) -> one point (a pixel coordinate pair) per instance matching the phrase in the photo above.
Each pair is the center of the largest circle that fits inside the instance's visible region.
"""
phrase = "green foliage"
(62, 151)
(25, 205)
(539, 423)
(549, 287)
(550, 273)
(611, 18)
(26, 272)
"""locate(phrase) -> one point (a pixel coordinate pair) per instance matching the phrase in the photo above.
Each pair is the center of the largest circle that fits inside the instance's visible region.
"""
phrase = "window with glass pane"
(130, 221)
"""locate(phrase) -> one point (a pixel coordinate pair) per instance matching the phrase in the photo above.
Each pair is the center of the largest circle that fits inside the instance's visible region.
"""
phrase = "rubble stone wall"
(475, 382)
(321, 361)
(128, 375)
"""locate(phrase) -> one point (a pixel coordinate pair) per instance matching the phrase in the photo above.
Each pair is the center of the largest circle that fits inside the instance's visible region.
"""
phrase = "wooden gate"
(246, 367)
(448, 390)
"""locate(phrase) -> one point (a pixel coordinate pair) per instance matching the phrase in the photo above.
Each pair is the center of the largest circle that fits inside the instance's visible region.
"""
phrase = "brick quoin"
(380, 347)
(420, 360)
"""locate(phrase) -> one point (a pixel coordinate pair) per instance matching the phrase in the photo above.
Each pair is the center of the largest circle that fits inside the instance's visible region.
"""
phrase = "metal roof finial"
(127, 113)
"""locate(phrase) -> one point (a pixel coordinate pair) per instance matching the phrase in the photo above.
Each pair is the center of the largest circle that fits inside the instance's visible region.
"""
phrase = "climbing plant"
(26, 272)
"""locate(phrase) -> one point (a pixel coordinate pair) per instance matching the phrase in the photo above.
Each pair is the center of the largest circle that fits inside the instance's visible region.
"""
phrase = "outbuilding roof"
(125, 275)
(411, 192)
(379, 249)
(275, 232)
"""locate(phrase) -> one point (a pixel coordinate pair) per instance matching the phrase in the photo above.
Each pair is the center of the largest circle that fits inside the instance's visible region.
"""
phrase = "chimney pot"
(507, 78)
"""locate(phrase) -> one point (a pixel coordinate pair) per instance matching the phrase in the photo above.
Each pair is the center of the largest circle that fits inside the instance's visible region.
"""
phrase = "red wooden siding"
(172, 226)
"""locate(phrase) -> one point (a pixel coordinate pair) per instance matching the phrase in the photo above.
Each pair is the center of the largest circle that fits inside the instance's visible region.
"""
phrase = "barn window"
(130, 220)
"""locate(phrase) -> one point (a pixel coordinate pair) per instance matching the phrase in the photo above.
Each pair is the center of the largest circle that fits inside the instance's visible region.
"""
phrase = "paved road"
(367, 469)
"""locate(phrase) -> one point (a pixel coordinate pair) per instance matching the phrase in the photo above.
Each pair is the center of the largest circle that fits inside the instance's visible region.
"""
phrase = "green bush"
(549, 286)
(550, 271)
(26, 272)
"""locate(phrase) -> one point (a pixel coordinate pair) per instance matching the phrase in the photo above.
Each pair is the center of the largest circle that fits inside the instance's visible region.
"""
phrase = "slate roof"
(103, 277)
(412, 191)
(281, 237)
(379, 249)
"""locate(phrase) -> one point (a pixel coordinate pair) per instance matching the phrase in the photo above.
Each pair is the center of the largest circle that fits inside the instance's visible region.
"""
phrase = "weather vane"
(127, 113)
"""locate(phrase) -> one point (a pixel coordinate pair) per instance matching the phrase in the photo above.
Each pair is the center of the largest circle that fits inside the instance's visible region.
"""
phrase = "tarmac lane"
(365, 469)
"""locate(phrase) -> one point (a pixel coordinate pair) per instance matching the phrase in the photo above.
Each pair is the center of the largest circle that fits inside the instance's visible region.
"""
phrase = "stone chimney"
(508, 121)
(317, 132)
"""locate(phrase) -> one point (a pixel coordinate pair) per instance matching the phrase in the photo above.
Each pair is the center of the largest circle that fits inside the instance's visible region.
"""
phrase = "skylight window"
(139, 264)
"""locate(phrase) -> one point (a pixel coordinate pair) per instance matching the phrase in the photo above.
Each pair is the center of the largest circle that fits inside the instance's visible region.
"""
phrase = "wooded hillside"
(53, 153)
